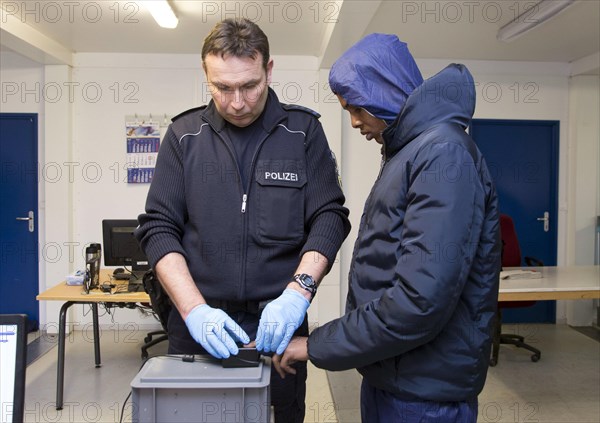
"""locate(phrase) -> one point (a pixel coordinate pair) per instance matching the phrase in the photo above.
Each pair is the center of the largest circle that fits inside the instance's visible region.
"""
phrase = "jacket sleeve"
(326, 217)
(439, 237)
(161, 226)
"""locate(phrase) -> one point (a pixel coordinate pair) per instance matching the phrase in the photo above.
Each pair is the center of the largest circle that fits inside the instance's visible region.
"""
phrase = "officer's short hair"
(238, 38)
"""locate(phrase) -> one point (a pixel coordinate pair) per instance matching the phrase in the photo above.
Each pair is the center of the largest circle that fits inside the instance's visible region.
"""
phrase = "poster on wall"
(143, 142)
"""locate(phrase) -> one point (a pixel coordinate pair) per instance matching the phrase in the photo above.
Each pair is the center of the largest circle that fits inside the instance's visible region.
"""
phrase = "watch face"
(307, 280)
(308, 283)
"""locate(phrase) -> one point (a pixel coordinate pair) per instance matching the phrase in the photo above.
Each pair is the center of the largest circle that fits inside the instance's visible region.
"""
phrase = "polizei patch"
(281, 176)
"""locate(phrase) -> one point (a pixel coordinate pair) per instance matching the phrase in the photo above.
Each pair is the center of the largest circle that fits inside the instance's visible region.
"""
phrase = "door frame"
(34, 324)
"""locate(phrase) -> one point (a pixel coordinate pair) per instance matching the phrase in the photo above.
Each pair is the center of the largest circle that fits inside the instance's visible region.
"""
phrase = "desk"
(76, 295)
(556, 283)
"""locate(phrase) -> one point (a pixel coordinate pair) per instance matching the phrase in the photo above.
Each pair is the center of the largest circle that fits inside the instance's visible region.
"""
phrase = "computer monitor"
(121, 247)
(13, 363)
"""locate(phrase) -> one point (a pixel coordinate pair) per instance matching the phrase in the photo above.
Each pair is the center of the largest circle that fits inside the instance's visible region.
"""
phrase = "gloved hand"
(215, 331)
(279, 320)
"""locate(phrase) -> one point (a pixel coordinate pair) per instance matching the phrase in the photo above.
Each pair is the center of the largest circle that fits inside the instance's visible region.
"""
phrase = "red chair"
(511, 257)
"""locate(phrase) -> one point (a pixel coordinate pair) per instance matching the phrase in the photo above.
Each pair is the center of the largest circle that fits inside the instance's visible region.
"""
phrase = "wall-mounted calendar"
(143, 142)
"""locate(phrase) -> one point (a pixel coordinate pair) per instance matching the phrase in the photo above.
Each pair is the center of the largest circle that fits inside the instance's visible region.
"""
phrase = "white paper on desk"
(520, 274)
(76, 278)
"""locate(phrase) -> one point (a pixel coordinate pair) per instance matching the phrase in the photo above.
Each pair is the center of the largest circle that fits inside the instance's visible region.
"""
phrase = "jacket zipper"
(381, 166)
(243, 211)
(244, 204)
(244, 199)
(237, 167)
(383, 160)
(245, 219)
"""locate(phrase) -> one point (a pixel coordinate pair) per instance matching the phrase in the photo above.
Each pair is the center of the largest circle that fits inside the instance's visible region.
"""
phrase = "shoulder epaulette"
(195, 109)
(289, 107)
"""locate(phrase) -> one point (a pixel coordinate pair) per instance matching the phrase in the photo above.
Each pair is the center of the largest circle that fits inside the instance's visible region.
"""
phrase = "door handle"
(546, 220)
(29, 219)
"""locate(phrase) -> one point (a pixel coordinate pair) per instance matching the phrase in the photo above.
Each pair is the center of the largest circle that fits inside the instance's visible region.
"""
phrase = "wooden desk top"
(64, 292)
(556, 283)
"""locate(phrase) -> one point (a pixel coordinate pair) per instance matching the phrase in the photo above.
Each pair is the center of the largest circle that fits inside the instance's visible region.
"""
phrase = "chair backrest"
(511, 255)
(511, 252)
(159, 300)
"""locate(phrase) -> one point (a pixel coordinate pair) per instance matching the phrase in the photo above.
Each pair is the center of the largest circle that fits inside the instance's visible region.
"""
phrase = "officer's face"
(369, 126)
(239, 86)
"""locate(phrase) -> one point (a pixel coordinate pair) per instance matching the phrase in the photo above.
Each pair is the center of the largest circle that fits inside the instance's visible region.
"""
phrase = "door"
(18, 215)
(522, 156)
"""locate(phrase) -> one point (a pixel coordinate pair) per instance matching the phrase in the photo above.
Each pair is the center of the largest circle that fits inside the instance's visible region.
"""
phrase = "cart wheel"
(535, 358)
(493, 362)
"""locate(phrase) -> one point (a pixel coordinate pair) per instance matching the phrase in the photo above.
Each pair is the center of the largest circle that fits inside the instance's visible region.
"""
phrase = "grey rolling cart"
(167, 389)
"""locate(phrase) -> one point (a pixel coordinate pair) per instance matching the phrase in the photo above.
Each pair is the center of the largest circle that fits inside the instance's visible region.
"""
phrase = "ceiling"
(455, 30)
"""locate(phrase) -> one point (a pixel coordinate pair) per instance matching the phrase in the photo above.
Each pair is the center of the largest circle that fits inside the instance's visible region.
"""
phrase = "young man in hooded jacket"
(423, 282)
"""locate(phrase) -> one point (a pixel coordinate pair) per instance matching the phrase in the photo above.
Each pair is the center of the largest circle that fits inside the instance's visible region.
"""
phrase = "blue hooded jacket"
(378, 73)
(423, 281)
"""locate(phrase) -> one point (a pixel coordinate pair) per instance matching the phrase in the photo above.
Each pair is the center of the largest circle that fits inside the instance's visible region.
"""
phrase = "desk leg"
(60, 372)
(96, 334)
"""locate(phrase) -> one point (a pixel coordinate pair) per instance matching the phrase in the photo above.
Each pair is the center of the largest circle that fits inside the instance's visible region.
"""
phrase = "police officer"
(244, 215)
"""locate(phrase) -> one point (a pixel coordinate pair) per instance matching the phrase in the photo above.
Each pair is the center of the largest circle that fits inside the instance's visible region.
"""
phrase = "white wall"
(584, 184)
(584, 151)
(108, 87)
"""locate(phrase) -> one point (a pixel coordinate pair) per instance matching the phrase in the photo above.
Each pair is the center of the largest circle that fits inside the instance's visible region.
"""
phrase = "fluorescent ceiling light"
(162, 13)
(532, 17)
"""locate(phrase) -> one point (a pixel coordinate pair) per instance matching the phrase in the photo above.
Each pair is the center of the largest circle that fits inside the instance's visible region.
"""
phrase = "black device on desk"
(120, 274)
(134, 283)
(121, 248)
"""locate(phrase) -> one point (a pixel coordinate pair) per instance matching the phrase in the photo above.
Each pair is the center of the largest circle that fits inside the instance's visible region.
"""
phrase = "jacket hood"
(448, 96)
(378, 73)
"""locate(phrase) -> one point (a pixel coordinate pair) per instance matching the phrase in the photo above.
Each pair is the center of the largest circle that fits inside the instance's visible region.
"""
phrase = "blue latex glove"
(279, 320)
(215, 331)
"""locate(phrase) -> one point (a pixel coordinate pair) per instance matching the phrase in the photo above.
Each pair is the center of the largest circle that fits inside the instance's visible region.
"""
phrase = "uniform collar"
(273, 114)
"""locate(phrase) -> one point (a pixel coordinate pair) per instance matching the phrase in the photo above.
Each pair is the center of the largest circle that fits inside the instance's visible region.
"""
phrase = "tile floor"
(563, 387)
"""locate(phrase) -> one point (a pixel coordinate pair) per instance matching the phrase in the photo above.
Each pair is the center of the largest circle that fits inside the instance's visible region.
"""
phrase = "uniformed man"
(245, 214)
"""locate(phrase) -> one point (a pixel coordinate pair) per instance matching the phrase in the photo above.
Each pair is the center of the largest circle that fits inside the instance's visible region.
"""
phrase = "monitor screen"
(13, 363)
(120, 246)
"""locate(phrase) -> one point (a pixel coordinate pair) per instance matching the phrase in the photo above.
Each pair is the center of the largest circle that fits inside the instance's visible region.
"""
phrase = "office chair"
(161, 306)
(511, 257)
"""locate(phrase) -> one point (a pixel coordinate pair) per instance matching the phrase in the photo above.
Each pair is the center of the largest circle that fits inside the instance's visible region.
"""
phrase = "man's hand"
(215, 331)
(297, 350)
(279, 320)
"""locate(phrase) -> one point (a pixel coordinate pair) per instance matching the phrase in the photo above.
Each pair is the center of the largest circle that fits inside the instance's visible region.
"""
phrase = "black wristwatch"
(307, 282)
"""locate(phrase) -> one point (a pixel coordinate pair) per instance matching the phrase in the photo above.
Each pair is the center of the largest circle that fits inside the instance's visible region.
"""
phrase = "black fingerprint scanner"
(247, 357)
